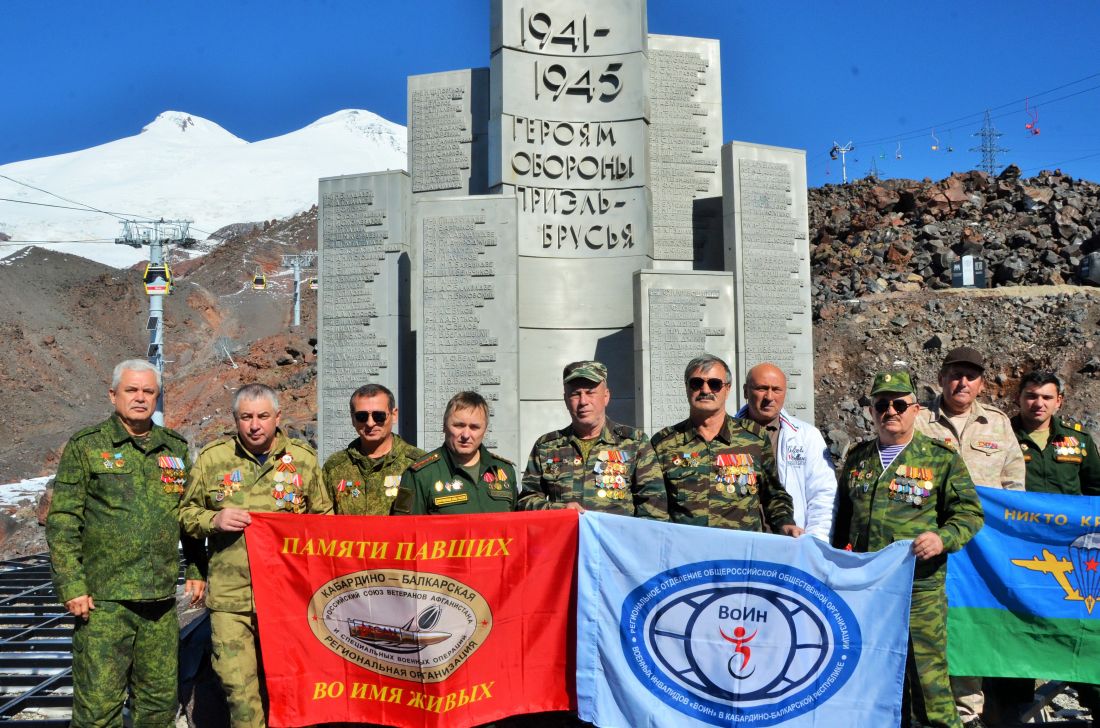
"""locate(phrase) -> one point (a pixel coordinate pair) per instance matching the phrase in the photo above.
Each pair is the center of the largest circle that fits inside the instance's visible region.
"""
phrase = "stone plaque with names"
(364, 265)
(768, 250)
(448, 120)
(680, 315)
(685, 128)
(467, 337)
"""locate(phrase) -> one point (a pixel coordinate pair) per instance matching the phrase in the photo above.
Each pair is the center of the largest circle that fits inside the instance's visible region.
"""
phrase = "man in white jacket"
(805, 467)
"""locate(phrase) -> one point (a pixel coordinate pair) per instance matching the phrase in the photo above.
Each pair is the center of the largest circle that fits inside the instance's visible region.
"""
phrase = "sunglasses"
(715, 384)
(379, 416)
(899, 405)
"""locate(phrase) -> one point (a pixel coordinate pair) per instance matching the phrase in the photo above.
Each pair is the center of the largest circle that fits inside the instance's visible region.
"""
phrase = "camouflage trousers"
(126, 643)
(236, 659)
(927, 698)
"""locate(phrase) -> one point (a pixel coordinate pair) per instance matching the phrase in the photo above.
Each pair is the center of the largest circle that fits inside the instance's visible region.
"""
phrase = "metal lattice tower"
(988, 146)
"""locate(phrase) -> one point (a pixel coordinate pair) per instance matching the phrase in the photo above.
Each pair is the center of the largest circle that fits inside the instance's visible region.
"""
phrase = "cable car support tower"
(158, 235)
(297, 262)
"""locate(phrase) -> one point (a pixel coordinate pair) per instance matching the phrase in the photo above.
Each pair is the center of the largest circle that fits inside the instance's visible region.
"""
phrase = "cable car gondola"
(157, 279)
(259, 281)
(313, 286)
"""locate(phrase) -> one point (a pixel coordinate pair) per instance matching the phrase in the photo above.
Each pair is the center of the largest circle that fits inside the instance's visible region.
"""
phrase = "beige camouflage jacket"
(987, 443)
(226, 475)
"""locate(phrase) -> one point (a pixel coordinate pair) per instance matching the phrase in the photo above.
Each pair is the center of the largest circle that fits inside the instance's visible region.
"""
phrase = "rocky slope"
(881, 252)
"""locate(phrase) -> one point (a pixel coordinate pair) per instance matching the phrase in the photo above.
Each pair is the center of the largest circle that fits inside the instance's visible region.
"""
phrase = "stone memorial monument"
(570, 201)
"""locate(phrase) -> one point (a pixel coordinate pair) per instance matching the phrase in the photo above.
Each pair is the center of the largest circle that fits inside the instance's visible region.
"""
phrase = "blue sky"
(795, 74)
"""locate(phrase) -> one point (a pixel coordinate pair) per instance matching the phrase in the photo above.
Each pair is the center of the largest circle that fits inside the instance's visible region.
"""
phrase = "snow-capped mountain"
(182, 166)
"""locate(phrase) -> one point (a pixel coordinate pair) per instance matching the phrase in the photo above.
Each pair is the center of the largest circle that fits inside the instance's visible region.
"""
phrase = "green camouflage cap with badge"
(894, 380)
(592, 371)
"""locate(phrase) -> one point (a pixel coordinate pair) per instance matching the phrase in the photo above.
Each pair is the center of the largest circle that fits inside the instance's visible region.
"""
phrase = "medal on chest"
(496, 479)
(231, 483)
(113, 461)
(1069, 445)
(172, 473)
(610, 470)
(288, 483)
(735, 473)
(552, 465)
(687, 459)
(346, 488)
(911, 485)
(391, 484)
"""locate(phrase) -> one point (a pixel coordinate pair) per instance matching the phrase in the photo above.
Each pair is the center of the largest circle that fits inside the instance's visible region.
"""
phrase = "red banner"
(414, 621)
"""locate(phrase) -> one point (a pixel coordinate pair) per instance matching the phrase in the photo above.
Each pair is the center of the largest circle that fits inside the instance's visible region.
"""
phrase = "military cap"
(964, 355)
(592, 371)
(894, 380)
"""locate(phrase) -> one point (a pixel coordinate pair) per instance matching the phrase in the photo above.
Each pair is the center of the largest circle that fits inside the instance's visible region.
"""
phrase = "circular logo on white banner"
(404, 624)
(730, 642)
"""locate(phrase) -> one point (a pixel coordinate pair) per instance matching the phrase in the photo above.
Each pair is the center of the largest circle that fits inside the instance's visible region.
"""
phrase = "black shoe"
(974, 723)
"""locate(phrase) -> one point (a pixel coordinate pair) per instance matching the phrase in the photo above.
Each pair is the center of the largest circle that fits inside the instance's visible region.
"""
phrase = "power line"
(66, 199)
(976, 116)
(1052, 165)
(50, 242)
(47, 204)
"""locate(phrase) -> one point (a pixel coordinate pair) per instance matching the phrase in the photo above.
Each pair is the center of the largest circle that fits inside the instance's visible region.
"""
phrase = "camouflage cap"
(895, 380)
(593, 371)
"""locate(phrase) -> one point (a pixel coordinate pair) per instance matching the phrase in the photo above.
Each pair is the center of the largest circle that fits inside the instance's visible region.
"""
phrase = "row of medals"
(913, 485)
(355, 489)
(172, 474)
(285, 483)
(734, 473)
(1069, 446)
(611, 479)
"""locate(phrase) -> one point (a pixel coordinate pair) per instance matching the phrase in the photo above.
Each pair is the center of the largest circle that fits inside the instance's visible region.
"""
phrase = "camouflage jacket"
(436, 485)
(226, 475)
(725, 482)
(620, 475)
(1068, 464)
(359, 485)
(113, 527)
(987, 444)
(926, 488)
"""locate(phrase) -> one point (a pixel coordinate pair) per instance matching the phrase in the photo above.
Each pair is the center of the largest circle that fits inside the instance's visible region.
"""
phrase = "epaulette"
(86, 431)
(629, 433)
(215, 443)
(172, 433)
(426, 460)
(501, 458)
(753, 427)
(300, 444)
(949, 446)
(1071, 424)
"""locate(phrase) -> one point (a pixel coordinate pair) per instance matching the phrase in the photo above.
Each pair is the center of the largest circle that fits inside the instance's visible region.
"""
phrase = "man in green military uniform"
(905, 485)
(259, 469)
(594, 462)
(113, 531)
(720, 471)
(462, 476)
(363, 478)
(1060, 458)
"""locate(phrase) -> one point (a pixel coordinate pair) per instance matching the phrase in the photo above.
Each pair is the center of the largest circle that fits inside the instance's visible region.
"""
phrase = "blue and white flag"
(690, 626)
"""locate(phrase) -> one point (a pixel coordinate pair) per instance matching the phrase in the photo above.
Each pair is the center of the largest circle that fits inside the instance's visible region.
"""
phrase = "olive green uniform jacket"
(926, 488)
(226, 475)
(1068, 464)
(113, 527)
(363, 486)
(435, 484)
(723, 483)
(620, 474)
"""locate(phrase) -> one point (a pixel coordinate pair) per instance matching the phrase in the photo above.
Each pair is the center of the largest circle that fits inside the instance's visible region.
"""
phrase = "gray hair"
(370, 390)
(254, 391)
(133, 365)
(705, 362)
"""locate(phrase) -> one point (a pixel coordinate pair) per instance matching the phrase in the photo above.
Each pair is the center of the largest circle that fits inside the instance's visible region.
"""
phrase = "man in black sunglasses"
(903, 485)
(720, 471)
(363, 478)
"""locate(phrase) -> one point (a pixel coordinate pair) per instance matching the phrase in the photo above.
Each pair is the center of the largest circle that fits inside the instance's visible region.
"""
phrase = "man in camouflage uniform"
(720, 471)
(113, 530)
(259, 469)
(593, 462)
(362, 479)
(983, 436)
(462, 476)
(904, 485)
(1060, 458)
